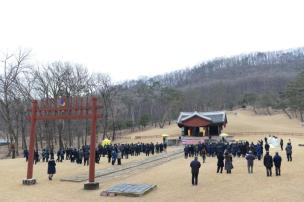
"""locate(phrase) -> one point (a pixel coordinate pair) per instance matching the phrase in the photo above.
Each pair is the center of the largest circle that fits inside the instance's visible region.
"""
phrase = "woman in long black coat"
(220, 162)
(51, 168)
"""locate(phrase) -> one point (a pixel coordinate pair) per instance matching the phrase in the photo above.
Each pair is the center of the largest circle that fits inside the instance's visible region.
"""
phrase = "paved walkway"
(128, 168)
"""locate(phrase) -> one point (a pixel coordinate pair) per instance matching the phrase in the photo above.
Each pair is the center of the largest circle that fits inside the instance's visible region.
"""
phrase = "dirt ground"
(173, 178)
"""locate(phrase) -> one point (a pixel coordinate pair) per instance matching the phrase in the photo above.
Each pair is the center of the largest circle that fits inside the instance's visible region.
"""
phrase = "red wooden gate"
(64, 109)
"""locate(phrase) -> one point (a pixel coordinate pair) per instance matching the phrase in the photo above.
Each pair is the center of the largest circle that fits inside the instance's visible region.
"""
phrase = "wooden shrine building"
(201, 124)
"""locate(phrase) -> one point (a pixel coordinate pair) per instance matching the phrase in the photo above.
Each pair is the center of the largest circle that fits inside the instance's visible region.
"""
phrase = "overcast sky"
(129, 38)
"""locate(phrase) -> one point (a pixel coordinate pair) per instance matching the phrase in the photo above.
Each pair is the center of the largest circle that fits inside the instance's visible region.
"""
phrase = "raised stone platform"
(134, 190)
(91, 186)
(29, 181)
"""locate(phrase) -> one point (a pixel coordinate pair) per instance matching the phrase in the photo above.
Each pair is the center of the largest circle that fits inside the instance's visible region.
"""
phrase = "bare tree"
(14, 67)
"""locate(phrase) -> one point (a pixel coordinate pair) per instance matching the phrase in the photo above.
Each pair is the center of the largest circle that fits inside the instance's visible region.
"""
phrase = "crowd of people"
(225, 151)
(114, 153)
(235, 149)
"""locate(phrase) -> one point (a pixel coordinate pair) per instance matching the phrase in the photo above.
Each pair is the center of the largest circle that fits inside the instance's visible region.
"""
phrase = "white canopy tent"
(273, 142)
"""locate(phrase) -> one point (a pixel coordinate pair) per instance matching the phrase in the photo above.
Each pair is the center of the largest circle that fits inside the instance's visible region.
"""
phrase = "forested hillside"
(256, 79)
(270, 79)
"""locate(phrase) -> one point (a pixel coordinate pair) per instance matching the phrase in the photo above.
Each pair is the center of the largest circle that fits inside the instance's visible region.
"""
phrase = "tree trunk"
(151, 114)
(12, 134)
(301, 114)
(114, 133)
(162, 123)
(86, 133)
(286, 112)
(17, 139)
(54, 139)
(82, 139)
(36, 143)
(60, 136)
(105, 122)
(24, 146)
(113, 124)
(47, 131)
(69, 134)
(133, 120)
(8, 146)
(254, 109)
(78, 140)
(23, 132)
(40, 136)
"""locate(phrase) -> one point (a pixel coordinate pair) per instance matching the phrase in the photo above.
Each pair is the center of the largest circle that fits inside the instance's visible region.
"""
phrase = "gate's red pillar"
(93, 141)
(29, 177)
(92, 184)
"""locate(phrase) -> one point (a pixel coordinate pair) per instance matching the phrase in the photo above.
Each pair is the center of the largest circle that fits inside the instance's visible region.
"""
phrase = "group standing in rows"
(225, 152)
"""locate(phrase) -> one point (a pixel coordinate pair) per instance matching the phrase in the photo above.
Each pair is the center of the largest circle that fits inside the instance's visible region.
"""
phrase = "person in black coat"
(58, 156)
(289, 151)
(62, 152)
(186, 151)
(195, 166)
(36, 157)
(26, 154)
(86, 156)
(277, 163)
(52, 153)
(47, 155)
(220, 162)
(268, 164)
(152, 148)
(204, 154)
(43, 155)
(97, 157)
(51, 168)
(267, 147)
(109, 153)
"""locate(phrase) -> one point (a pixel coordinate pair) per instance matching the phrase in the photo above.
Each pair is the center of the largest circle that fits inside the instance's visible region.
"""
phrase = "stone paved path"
(128, 168)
